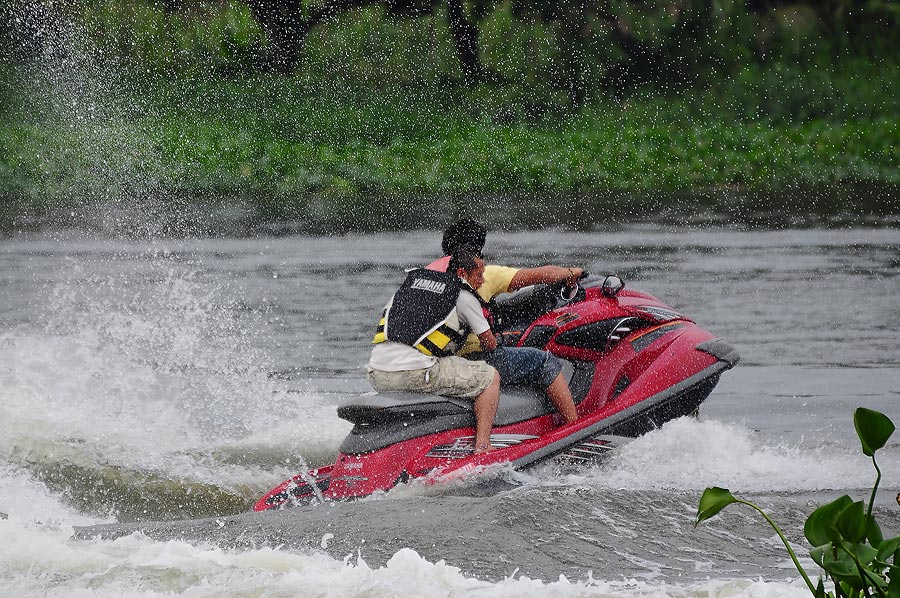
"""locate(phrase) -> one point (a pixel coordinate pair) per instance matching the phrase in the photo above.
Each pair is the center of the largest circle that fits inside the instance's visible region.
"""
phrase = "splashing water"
(154, 395)
(690, 455)
(100, 161)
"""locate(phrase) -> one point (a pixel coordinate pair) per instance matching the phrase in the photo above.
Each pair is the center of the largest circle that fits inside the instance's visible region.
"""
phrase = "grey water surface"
(223, 360)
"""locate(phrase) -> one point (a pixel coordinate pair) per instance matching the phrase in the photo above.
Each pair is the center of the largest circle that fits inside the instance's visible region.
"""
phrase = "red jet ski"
(633, 363)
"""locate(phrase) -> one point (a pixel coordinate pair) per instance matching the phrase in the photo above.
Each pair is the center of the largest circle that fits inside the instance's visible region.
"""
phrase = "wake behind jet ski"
(632, 363)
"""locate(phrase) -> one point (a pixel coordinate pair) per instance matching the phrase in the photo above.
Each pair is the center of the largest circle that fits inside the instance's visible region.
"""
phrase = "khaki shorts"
(450, 376)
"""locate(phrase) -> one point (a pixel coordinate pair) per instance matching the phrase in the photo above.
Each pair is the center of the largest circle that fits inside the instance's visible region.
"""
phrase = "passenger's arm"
(488, 341)
(544, 275)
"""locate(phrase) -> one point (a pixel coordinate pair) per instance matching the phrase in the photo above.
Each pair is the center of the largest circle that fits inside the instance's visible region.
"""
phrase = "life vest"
(488, 308)
(441, 264)
(422, 314)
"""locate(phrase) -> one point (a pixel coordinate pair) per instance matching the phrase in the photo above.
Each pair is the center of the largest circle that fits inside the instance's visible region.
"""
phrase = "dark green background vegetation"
(300, 105)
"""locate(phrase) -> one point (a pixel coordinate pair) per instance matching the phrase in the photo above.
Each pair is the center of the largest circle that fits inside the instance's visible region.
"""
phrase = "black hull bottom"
(686, 402)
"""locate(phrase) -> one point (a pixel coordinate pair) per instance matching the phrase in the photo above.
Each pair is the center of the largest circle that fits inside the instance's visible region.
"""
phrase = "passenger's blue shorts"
(523, 365)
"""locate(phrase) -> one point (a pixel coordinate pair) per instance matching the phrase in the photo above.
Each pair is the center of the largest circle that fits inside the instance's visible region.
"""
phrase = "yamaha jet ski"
(633, 363)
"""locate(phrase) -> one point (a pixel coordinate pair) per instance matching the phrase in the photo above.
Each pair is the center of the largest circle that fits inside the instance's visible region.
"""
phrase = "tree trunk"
(286, 27)
(281, 22)
(574, 31)
(465, 38)
(646, 63)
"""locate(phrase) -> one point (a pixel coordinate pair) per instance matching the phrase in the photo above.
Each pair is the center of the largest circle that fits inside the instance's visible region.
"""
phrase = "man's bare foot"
(561, 420)
(484, 448)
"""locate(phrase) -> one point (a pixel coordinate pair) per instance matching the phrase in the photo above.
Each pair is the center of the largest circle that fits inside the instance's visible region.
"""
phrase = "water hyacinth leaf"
(876, 579)
(894, 584)
(820, 589)
(873, 532)
(818, 553)
(851, 522)
(873, 579)
(873, 428)
(865, 554)
(820, 525)
(713, 500)
(842, 567)
(888, 548)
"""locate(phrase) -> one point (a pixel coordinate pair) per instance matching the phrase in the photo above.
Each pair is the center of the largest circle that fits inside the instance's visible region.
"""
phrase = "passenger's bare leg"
(485, 409)
(559, 394)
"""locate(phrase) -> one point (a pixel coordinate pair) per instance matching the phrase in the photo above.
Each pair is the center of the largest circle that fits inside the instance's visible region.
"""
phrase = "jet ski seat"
(384, 418)
(516, 404)
(380, 420)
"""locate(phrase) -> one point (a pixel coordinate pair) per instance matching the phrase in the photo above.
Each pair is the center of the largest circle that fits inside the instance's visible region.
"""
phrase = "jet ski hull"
(632, 364)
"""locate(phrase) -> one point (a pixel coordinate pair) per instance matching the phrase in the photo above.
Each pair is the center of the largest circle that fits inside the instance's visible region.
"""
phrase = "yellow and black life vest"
(422, 314)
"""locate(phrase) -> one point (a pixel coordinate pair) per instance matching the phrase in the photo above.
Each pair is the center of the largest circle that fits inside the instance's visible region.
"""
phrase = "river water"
(151, 390)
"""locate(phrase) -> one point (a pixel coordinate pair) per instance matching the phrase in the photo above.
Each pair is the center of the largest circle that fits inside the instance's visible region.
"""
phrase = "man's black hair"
(463, 257)
(465, 231)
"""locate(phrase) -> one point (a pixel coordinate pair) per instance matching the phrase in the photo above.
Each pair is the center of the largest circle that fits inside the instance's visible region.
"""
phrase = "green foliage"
(713, 501)
(772, 66)
(166, 97)
(289, 139)
(847, 542)
(784, 92)
(873, 429)
(375, 51)
(198, 37)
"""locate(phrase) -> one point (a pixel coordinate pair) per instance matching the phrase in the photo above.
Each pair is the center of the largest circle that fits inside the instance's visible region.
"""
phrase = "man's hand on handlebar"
(575, 274)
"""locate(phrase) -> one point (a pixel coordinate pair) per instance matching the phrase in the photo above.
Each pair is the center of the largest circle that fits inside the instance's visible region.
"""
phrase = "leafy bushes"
(269, 136)
(780, 92)
(799, 78)
(146, 36)
(375, 110)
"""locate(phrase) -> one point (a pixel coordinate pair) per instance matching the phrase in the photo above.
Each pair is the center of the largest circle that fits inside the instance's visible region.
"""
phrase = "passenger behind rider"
(423, 324)
(516, 365)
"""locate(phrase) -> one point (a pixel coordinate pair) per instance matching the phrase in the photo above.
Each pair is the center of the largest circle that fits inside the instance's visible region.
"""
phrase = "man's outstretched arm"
(544, 275)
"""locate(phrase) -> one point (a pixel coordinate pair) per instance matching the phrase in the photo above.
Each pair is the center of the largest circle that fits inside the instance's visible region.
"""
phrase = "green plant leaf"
(713, 500)
(888, 548)
(864, 553)
(820, 527)
(847, 565)
(874, 579)
(842, 568)
(873, 428)
(818, 554)
(837, 562)
(820, 589)
(873, 532)
(894, 584)
(851, 522)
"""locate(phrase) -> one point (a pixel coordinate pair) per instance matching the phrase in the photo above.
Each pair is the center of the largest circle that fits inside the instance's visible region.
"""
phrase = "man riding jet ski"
(517, 365)
(429, 315)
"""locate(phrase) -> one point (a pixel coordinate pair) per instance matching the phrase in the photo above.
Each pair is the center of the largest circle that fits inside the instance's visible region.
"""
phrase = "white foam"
(156, 381)
(41, 562)
(23, 499)
(687, 454)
